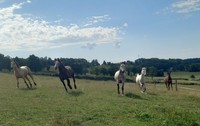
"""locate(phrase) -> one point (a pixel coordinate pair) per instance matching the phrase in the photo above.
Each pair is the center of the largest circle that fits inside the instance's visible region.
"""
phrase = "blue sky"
(110, 30)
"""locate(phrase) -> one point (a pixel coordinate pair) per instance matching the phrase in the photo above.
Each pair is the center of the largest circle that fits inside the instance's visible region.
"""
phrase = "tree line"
(155, 66)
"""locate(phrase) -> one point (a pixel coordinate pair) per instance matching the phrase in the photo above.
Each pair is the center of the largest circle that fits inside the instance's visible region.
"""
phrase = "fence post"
(176, 85)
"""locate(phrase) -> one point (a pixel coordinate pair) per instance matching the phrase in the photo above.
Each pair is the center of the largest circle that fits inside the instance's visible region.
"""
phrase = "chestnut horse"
(168, 81)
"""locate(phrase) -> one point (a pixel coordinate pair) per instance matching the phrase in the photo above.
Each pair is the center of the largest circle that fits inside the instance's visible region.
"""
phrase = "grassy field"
(96, 103)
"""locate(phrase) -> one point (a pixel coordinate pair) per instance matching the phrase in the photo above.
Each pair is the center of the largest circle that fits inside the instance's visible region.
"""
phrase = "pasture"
(96, 103)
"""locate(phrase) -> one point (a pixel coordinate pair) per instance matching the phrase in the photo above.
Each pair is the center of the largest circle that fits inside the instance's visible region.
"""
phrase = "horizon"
(103, 60)
(111, 31)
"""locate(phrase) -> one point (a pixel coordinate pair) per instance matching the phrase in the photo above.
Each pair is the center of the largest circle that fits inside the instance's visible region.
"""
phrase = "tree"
(34, 63)
(152, 71)
(94, 63)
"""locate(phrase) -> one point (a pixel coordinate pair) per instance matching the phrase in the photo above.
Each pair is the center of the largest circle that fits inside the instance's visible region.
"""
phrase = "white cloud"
(89, 46)
(96, 19)
(118, 44)
(22, 33)
(181, 7)
(125, 25)
(28, 1)
(186, 6)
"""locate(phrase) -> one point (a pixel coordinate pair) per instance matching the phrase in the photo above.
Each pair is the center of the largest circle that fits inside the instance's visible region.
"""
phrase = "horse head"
(13, 63)
(143, 71)
(57, 63)
(122, 68)
(169, 75)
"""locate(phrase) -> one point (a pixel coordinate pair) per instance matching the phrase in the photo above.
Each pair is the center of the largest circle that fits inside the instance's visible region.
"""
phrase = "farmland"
(96, 103)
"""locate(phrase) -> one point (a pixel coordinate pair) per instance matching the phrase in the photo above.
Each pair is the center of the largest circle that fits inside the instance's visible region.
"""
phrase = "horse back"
(69, 71)
(26, 69)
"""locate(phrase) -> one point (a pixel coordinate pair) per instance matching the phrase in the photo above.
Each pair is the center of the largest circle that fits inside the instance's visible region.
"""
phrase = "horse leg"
(17, 82)
(32, 79)
(28, 81)
(68, 83)
(168, 86)
(123, 89)
(118, 88)
(166, 83)
(141, 87)
(74, 82)
(144, 87)
(171, 87)
(64, 84)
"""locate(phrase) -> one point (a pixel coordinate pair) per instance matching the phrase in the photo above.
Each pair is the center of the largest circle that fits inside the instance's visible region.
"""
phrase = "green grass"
(95, 103)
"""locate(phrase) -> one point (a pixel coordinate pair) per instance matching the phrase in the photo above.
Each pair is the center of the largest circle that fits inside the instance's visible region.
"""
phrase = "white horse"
(22, 72)
(120, 77)
(140, 80)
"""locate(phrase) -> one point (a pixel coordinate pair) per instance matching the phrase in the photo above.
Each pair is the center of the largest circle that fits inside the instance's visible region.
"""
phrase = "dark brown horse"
(65, 72)
(168, 81)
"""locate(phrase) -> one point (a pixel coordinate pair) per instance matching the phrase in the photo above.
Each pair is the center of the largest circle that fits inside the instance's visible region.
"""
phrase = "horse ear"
(59, 60)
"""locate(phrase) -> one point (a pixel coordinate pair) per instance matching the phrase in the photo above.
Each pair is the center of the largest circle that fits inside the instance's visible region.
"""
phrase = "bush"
(192, 76)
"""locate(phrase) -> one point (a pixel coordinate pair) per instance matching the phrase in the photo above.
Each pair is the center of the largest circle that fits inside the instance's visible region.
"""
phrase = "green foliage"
(192, 76)
(155, 66)
(34, 63)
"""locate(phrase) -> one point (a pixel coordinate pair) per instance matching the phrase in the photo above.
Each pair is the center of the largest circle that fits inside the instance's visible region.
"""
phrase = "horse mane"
(169, 75)
(61, 64)
(16, 63)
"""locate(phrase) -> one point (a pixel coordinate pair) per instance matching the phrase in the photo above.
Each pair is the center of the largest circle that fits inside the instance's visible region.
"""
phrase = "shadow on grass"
(131, 95)
(27, 89)
(75, 93)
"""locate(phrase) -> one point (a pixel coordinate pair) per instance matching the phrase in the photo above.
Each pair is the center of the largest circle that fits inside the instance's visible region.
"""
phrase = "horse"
(65, 72)
(22, 72)
(140, 80)
(168, 81)
(120, 77)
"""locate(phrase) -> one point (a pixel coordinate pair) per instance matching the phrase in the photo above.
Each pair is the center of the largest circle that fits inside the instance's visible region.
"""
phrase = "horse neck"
(169, 76)
(142, 75)
(61, 67)
(16, 68)
(120, 71)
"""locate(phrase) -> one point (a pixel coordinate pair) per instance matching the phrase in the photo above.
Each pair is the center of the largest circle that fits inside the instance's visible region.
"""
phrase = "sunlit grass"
(95, 103)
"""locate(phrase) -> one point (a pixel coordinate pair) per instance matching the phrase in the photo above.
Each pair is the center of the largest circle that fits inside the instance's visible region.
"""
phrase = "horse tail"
(137, 78)
(116, 75)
